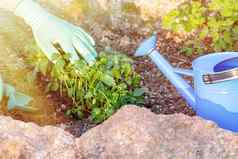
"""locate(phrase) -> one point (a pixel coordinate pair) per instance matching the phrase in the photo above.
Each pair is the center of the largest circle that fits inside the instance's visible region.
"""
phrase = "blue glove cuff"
(33, 14)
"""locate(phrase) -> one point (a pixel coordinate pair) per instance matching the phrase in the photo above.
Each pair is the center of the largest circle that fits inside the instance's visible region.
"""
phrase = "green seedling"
(98, 90)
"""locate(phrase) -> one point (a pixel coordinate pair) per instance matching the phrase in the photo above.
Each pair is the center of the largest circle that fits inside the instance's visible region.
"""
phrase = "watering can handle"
(211, 78)
(224, 71)
(221, 76)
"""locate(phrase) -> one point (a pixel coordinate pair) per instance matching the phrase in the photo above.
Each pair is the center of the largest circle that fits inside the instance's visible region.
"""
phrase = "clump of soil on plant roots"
(62, 103)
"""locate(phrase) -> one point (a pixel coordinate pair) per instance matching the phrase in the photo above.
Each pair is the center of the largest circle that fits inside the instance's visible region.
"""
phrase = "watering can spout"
(148, 47)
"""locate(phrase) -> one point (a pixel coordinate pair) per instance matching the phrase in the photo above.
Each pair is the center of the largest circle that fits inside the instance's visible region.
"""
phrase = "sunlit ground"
(13, 38)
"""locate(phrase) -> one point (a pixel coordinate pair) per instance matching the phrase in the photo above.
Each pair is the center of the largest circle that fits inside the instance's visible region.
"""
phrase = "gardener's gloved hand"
(15, 99)
(48, 29)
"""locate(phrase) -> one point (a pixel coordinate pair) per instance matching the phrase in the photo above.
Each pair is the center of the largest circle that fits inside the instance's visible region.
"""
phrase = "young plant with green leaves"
(97, 90)
(214, 23)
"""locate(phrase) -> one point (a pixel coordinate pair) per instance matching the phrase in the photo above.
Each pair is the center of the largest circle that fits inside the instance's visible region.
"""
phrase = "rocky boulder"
(132, 133)
(19, 140)
(138, 133)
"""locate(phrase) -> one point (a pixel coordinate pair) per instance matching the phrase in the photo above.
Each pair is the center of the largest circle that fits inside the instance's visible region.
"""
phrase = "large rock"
(137, 133)
(19, 140)
(132, 133)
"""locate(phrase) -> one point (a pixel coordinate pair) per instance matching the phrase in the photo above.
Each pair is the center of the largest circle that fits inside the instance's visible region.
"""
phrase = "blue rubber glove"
(48, 29)
(15, 99)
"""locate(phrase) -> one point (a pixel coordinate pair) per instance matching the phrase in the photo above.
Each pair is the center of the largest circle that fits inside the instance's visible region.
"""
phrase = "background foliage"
(213, 24)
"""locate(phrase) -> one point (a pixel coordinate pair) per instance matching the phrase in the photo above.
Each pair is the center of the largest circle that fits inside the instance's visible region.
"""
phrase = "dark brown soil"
(161, 96)
(62, 104)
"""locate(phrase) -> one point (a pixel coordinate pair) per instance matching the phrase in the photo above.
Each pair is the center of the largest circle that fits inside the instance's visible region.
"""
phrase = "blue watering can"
(215, 93)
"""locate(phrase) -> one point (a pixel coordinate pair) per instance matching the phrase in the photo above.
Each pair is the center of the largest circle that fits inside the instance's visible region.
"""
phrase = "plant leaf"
(138, 92)
(108, 80)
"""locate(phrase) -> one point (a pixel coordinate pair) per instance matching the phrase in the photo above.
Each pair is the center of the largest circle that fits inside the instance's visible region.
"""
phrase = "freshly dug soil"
(62, 103)
(161, 96)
